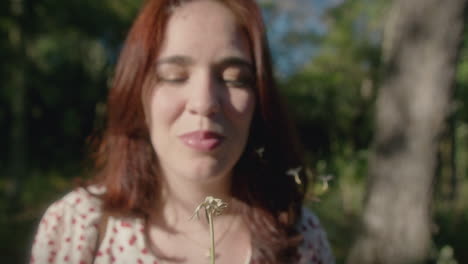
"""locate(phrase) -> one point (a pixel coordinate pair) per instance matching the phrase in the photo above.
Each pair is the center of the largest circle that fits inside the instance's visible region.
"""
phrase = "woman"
(193, 112)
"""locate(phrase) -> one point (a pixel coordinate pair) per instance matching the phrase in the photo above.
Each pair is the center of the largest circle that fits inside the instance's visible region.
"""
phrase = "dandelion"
(212, 207)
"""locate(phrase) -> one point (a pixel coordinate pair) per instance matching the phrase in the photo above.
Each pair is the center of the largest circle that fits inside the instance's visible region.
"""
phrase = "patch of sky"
(293, 26)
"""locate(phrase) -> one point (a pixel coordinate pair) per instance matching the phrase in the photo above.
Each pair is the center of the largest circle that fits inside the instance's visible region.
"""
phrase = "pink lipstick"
(202, 140)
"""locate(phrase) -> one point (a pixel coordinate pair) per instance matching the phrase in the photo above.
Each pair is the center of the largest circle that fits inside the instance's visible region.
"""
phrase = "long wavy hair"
(125, 162)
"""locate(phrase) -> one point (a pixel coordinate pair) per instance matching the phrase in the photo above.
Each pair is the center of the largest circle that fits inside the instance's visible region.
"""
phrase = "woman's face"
(201, 107)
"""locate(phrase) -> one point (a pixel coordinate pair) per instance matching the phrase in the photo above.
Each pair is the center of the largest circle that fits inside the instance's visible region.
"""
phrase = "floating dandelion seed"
(213, 207)
(325, 179)
(260, 152)
(295, 173)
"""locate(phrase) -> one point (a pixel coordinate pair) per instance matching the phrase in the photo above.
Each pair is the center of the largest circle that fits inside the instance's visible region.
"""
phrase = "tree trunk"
(421, 40)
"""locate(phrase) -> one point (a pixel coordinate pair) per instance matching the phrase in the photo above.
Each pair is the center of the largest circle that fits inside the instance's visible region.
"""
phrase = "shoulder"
(81, 205)
(315, 247)
(68, 228)
(309, 224)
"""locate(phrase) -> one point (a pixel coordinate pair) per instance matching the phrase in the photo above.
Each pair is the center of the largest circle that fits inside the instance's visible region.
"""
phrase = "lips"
(202, 140)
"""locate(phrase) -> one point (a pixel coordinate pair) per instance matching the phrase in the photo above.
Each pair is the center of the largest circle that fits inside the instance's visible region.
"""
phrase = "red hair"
(126, 163)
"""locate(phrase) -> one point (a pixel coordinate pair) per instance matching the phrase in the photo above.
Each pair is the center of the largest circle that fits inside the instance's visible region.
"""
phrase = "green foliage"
(61, 54)
(333, 95)
(445, 256)
(340, 207)
(332, 98)
(461, 87)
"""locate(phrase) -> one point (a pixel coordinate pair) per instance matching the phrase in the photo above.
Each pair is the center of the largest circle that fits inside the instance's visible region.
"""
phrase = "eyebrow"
(176, 59)
(236, 61)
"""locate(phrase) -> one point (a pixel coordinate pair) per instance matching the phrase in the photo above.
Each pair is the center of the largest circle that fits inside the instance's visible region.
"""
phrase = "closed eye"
(173, 80)
(237, 77)
(171, 74)
(173, 70)
(238, 83)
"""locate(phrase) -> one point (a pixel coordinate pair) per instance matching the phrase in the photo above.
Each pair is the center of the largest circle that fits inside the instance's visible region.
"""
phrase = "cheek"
(242, 104)
(164, 109)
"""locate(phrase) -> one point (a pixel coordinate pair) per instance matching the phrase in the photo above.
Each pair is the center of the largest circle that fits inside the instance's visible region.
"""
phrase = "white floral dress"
(68, 233)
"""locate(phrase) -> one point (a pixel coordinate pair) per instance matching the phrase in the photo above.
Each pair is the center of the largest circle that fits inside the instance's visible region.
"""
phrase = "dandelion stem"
(212, 207)
(212, 248)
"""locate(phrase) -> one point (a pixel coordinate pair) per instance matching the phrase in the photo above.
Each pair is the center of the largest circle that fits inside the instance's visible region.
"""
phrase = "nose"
(204, 98)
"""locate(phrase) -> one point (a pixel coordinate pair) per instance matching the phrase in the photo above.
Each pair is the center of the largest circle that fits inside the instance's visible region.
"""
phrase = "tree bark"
(421, 40)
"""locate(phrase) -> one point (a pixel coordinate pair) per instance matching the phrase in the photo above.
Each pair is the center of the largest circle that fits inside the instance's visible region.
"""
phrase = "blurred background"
(379, 90)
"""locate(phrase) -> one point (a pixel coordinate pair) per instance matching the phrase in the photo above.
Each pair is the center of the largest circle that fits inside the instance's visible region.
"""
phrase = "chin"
(206, 171)
(205, 174)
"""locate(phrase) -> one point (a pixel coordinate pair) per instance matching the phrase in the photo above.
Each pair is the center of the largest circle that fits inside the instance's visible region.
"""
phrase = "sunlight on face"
(202, 104)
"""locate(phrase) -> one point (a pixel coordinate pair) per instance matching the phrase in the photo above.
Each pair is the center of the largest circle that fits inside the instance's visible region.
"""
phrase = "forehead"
(204, 26)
